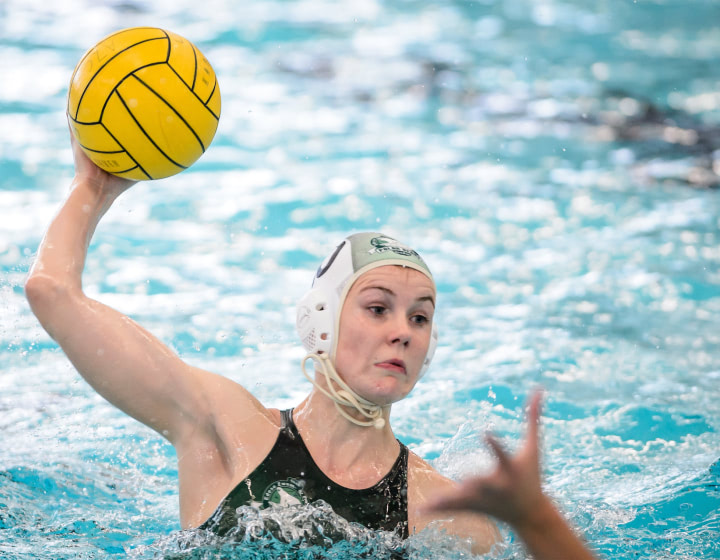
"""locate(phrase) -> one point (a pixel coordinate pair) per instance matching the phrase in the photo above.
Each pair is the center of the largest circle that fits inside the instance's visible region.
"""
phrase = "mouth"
(397, 366)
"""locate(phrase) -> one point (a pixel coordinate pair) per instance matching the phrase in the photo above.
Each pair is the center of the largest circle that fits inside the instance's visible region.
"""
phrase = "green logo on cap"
(384, 244)
(374, 249)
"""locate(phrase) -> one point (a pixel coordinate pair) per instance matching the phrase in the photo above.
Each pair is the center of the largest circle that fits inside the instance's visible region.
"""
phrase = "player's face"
(385, 328)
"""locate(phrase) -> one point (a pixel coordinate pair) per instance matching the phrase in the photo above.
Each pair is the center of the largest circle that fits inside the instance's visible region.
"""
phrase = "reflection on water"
(556, 163)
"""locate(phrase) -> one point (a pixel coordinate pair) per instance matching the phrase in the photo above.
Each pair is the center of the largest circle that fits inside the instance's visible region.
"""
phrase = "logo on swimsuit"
(384, 244)
(288, 492)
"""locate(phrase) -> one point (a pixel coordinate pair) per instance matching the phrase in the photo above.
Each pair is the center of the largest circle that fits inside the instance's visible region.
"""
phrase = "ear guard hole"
(320, 307)
(324, 336)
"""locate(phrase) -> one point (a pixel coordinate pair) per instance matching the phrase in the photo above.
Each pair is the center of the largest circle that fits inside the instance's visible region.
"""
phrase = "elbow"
(40, 289)
(47, 297)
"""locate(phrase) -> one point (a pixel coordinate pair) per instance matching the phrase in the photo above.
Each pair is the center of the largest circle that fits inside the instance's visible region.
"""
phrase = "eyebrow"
(389, 291)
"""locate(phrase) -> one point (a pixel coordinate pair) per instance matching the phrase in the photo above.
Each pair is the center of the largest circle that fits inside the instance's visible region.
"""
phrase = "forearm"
(122, 361)
(547, 536)
(62, 252)
(56, 276)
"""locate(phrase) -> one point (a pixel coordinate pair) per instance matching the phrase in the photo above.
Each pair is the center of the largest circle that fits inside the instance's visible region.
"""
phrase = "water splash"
(310, 531)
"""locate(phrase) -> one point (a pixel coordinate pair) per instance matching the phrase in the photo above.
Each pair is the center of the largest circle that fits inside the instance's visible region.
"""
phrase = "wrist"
(539, 519)
(547, 535)
(93, 194)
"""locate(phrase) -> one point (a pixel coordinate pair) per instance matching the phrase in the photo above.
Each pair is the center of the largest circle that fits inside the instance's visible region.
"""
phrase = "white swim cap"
(318, 312)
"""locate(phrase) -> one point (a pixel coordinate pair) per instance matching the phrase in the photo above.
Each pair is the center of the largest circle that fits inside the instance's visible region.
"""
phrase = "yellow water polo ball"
(144, 103)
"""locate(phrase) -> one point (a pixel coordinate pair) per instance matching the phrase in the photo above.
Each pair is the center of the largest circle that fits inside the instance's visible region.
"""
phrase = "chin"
(386, 393)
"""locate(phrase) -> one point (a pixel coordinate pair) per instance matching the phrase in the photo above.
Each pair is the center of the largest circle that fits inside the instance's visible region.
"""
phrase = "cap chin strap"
(344, 396)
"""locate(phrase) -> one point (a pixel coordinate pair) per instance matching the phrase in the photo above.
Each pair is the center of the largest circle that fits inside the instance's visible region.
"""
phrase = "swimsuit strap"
(399, 468)
(286, 418)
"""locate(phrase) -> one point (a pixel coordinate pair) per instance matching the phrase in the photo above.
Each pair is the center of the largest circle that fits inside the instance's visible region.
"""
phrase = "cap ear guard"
(314, 322)
(318, 309)
(430, 352)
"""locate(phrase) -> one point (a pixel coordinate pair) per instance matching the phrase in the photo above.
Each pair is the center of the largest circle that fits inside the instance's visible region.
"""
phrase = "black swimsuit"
(288, 475)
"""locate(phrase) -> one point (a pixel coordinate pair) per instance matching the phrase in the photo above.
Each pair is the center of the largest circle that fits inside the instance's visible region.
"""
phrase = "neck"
(334, 440)
(348, 403)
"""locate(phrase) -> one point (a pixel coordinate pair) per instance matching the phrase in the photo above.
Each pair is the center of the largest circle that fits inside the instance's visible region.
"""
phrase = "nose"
(399, 333)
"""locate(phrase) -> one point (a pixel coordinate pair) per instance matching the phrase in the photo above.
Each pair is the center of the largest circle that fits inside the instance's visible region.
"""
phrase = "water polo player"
(367, 324)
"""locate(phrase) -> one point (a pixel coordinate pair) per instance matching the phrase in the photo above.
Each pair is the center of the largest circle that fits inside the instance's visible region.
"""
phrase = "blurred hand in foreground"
(513, 493)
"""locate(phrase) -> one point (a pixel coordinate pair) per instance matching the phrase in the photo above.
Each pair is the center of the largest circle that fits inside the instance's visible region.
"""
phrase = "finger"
(73, 139)
(498, 449)
(531, 446)
(534, 409)
(79, 157)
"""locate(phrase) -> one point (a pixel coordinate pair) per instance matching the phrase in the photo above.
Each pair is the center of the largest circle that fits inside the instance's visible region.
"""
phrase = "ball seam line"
(137, 163)
(146, 134)
(202, 145)
(90, 81)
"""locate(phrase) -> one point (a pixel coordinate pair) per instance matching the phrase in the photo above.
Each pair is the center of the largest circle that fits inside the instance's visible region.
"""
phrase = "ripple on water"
(538, 154)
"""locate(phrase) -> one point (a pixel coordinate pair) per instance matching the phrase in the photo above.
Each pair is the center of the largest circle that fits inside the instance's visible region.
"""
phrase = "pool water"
(557, 164)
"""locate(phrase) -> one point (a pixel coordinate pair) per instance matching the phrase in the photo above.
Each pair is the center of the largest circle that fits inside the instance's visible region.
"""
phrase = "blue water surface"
(556, 162)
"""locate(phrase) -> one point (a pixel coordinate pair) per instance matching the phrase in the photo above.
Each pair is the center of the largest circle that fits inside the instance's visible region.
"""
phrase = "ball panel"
(98, 56)
(167, 129)
(188, 110)
(105, 80)
(183, 58)
(118, 163)
(213, 104)
(135, 173)
(138, 145)
(205, 82)
(95, 137)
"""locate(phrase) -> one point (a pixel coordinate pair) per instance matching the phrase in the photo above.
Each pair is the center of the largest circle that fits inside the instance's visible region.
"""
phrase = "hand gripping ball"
(144, 103)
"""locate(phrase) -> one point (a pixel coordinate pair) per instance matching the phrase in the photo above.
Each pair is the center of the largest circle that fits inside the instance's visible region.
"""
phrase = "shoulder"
(424, 484)
(226, 415)
(425, 480)
(227, 434)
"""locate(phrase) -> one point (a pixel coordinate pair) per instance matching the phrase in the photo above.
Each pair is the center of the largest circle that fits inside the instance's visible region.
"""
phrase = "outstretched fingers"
(499, 451)
(512, 489)
(534, 410)
(532, 441)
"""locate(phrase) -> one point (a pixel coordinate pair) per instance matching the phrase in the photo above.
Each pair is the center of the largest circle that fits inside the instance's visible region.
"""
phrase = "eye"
(377, 309)
(420, 319)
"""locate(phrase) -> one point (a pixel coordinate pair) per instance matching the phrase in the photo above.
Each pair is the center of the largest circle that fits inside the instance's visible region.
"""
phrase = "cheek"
(422, 349)
(354, 326)
(351, 340)
(357, 346)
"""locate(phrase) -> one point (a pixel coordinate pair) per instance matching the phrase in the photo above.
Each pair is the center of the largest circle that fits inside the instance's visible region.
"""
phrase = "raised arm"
(513, 493)
(121, 360)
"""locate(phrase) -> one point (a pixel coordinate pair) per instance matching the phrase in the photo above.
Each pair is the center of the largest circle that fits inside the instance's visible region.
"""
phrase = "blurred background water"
(557, 164)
